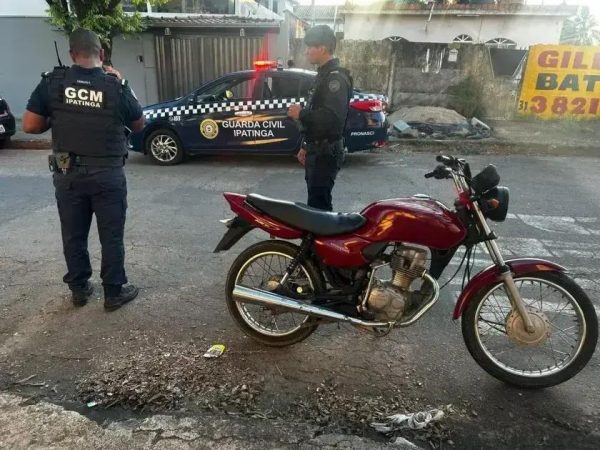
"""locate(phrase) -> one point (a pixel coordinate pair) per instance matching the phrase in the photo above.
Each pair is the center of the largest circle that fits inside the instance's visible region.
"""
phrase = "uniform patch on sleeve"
(334, 85)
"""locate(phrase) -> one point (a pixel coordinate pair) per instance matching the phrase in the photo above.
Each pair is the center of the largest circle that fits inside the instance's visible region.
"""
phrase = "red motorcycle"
(525, 321)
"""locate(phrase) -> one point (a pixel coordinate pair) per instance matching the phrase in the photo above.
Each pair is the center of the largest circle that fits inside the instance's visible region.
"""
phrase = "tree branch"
(112, 4)
(62, 3)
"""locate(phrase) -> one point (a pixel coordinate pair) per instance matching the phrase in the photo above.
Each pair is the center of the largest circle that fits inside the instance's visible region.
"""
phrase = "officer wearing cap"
(323, 118)
(88, 108)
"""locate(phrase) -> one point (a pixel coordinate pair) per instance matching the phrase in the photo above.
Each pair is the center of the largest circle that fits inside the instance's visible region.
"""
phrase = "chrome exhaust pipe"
(266, 298)
(260, 297)
(426, 307)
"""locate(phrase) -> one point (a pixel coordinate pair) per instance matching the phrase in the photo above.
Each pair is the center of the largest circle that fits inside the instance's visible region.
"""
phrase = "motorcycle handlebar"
(444, 159)
(441, 172)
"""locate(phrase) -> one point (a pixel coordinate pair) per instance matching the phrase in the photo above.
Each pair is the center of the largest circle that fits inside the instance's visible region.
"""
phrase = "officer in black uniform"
(324, 117)
(88, 107)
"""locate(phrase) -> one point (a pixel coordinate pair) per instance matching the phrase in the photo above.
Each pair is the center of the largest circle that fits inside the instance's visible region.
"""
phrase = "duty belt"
(93, 161)
(323, 147)
(326, 141)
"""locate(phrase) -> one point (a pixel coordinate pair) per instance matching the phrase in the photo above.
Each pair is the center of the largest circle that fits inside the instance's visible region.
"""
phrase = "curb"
(33, 144)
(491, 147)
(463, 147)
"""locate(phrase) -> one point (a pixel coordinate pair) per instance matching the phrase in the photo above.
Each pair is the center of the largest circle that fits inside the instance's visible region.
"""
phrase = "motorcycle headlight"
(494, 203)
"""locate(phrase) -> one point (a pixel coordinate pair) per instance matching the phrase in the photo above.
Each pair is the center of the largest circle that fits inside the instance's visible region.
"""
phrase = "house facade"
(507, 24)
(330, 15)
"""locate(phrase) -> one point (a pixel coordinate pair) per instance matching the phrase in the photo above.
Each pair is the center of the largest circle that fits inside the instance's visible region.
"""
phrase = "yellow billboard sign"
(561, 81)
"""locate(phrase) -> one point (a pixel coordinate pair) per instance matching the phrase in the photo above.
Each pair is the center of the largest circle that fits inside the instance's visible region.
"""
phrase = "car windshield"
(241, 88)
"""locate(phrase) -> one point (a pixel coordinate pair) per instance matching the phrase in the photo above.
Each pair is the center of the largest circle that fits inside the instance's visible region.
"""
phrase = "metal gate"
(185, 62)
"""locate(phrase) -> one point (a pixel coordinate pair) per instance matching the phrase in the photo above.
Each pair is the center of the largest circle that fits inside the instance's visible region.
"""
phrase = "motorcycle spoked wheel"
(261, 266)
(564, 340)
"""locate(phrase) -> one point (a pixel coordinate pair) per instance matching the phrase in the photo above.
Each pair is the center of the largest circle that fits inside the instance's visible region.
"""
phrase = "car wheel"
(164, 147)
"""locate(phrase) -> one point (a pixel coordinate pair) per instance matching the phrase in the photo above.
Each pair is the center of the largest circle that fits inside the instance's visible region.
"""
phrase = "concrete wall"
(35, 8)
(524, 30)
(141, 75)
(370, 63)
(27, 49)
(398, 71)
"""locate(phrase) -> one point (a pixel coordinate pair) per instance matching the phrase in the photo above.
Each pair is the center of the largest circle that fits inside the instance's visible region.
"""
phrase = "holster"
(60, 162)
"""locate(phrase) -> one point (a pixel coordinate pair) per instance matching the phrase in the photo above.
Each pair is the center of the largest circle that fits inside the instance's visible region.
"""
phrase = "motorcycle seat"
(303, 217)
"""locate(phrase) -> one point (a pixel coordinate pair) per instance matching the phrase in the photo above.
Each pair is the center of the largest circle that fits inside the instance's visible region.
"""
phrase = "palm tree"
(582, 29)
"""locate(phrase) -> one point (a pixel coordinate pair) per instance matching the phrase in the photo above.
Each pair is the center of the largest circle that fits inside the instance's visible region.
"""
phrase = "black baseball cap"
(320, 35)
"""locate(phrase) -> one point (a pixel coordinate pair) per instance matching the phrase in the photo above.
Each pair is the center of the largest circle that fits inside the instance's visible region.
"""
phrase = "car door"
(277, 90)
(219, 117)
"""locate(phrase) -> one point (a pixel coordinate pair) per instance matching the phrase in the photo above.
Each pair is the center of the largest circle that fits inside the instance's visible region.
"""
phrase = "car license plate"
(2, 129)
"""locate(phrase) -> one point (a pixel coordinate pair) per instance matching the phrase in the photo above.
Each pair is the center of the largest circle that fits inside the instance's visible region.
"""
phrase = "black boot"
(81, 294)
(117, 296)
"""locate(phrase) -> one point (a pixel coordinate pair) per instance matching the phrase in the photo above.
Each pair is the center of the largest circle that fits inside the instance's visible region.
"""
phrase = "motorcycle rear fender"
(491, 276)
(237, 229)
(248, 218)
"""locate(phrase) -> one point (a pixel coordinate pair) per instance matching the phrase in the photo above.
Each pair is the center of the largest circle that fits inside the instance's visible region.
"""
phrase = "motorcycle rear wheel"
(261, 266)
(563, 343)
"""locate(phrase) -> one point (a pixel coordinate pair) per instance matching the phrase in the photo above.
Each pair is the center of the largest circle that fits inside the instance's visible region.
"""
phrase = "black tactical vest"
(317, 92)
(85, 113)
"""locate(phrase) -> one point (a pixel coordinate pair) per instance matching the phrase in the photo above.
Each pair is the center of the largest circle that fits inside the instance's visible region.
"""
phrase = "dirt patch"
(166, 376)
(172, 376)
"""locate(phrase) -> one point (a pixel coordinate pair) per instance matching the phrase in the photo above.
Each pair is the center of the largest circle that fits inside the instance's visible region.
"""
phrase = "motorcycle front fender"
(491, 276)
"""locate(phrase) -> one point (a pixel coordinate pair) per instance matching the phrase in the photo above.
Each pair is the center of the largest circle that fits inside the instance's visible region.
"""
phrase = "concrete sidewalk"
(43, 425)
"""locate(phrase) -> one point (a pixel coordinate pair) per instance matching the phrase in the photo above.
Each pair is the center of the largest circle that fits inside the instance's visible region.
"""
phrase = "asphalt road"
(173, 227)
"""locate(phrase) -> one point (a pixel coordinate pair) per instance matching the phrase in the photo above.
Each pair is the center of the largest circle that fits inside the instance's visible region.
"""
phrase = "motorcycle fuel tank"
(412, 220)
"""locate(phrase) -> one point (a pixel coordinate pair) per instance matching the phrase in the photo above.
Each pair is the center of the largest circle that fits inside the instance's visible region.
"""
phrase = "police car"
(246, 112)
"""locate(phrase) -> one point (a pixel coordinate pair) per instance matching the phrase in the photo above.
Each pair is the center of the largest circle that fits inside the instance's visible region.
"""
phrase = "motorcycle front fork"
(510, 287)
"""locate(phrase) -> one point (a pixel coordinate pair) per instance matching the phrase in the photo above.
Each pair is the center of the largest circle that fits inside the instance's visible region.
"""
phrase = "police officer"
(323, 118)
(88, 107)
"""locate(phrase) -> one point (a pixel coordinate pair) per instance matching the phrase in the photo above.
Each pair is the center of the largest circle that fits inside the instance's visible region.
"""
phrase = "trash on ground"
(25, 380)
(429, 122)
(403, 129)
(404, 443)
(215, 351)
(413, 421)
(91, 404)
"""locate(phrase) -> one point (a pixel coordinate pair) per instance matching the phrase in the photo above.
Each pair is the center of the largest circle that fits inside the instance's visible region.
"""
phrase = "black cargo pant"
(323, 162)
(80, 194)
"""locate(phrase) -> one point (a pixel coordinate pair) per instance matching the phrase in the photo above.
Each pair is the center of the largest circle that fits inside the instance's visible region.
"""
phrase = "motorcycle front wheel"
(262, 266)
(564, 339)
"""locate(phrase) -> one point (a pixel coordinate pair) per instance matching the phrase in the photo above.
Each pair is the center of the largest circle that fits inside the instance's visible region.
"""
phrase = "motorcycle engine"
(388, 299)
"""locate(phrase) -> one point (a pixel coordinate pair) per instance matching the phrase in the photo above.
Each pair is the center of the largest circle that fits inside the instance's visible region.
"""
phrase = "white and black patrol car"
(246, 112)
